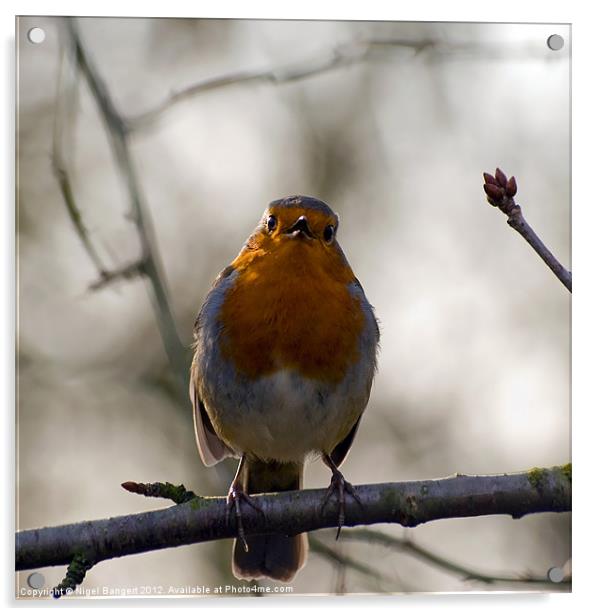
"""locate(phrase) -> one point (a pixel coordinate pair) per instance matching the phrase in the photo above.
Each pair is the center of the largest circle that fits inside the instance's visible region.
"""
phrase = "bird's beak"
(300, 229)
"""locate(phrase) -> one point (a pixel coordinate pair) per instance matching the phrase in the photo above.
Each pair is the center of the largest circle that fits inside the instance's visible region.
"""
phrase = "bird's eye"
(271, 223)
(328, 233)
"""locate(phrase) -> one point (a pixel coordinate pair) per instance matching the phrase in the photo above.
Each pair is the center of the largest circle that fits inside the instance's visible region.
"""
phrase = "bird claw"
(342, 487)
(235, 496)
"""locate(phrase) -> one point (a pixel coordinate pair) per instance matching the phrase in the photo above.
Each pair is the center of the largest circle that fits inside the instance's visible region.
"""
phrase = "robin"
(285, 349)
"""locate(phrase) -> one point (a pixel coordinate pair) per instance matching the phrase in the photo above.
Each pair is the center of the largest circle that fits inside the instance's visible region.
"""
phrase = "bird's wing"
(369, 347)
(211, 448)
(340, 451)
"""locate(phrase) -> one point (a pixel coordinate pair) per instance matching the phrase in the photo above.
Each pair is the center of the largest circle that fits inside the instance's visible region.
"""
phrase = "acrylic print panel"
(148, 150)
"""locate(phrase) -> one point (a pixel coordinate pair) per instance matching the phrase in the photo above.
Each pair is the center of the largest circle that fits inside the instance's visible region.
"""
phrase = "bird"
(284, 354)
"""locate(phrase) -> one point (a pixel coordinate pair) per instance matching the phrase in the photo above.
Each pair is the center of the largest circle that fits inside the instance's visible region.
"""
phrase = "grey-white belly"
(285, 416)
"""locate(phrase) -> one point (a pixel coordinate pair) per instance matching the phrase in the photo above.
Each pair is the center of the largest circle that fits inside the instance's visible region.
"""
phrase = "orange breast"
(292, 309)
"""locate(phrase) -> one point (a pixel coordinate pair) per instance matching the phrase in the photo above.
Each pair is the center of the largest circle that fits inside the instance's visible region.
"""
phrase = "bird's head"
(296, 235)
(297, 221)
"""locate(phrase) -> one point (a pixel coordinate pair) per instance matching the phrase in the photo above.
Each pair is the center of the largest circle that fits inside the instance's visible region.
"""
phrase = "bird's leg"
(236, 493)
(341, 486)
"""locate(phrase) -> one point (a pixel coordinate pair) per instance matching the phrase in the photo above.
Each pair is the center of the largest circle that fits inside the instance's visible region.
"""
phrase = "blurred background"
(392, 124)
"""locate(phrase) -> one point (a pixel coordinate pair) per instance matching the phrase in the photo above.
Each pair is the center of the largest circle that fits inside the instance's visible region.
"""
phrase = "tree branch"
(500, 192)
(204, 519)
(467, 573)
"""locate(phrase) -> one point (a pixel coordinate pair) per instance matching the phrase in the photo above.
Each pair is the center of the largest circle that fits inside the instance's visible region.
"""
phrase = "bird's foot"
(341, 487)
(236, 495)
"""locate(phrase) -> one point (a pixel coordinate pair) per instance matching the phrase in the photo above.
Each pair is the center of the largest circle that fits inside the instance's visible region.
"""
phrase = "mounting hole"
(556, 575)
(36, 35)
(555, 42)
(36, 580)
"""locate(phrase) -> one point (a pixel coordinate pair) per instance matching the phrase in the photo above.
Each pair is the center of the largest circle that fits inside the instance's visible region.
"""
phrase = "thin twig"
(407, 545)
(118, 132)
(204, 519)
(500, 192)
(341, 570)
(347, 562)
(342, 55)
(519, 223)
(126, 272)
(60, 170)
(59, 166)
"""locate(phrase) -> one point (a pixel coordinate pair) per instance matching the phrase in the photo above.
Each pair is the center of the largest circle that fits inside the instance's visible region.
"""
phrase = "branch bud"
(489, 179)
(511, 188)
(132, 486)
(501, 178)
(495, 193)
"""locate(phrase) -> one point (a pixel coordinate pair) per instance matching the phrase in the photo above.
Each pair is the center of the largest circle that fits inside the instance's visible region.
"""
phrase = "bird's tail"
(278, 557)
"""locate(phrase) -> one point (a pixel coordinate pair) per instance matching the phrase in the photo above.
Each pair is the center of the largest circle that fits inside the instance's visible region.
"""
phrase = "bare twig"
(74, 213)
(60, 169)
(342, 55)
(126, 272)
(118, 132)
(467, 573)
(500, 192)
(204, 519)
(340, 568)
(347, 562)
